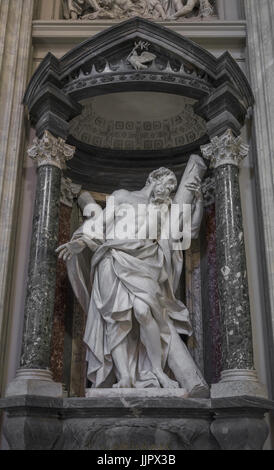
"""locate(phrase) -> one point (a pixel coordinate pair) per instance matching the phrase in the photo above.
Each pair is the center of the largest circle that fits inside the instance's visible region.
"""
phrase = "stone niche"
(110, 118)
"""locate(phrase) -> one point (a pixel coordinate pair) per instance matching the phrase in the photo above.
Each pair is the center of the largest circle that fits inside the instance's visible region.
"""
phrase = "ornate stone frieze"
(95, 79)
(159, 10)
(50, 150)
(138, 65)
(69, 191)
(225, 150)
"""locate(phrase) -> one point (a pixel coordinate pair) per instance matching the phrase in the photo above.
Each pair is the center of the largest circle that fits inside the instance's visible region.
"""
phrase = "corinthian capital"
(225, 150)
(50, 150)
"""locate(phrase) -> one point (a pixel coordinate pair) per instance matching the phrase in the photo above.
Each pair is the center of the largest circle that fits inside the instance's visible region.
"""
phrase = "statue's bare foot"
(125, 382)
(164, 380)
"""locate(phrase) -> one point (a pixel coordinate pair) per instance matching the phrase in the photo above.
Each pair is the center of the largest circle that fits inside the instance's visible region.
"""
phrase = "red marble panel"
(214, 321)
(62, 299)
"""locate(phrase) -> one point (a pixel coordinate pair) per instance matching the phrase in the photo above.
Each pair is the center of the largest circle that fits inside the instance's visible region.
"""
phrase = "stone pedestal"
(122, 420)
(238, 373)
(34, 377)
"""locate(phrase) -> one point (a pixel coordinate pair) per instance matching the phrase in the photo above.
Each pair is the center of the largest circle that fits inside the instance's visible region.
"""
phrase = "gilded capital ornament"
(225, 150)
(50, 150)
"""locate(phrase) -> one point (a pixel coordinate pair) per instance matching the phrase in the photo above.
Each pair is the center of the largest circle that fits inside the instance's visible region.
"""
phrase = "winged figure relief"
(139, 60)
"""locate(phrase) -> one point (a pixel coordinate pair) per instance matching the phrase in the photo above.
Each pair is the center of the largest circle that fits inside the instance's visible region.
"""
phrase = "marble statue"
(74, 9)
(121, 9)
(155, 9)
(116, 9)
(127, 287)
(183, 9)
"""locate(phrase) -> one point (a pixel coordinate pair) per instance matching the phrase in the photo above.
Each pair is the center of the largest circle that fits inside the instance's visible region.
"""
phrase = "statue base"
(112, 421)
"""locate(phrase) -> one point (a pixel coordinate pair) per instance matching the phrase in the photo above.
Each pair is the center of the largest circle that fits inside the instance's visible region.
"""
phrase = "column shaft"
(42, 270)
(34, 376)
(237, 350)
(238, 375)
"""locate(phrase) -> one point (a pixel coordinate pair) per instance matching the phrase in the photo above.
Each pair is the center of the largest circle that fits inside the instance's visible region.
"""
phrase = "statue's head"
(164, 183)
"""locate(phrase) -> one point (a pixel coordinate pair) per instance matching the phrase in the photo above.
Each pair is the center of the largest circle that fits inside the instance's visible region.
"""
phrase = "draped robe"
(106, 278)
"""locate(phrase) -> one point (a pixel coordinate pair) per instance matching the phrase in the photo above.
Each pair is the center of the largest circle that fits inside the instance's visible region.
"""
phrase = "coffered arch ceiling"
(126, 117)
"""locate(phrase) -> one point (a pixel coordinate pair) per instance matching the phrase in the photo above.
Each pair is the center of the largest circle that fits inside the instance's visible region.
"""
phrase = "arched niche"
(95, 98)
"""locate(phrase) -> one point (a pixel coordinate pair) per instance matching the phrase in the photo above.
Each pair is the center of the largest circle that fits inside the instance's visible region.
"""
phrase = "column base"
(34, 382)
(238, 382)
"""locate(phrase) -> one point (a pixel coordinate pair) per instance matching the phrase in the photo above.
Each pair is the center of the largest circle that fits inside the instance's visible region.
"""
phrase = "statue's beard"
(158, 199)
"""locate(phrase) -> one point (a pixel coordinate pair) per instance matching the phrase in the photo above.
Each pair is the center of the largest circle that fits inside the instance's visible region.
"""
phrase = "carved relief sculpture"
(139, 60)
(122, 9)
(183, 9)
(127, 286)
(74, 9)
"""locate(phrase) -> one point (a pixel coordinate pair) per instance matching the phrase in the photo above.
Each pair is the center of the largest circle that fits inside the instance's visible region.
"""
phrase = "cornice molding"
(64, 30)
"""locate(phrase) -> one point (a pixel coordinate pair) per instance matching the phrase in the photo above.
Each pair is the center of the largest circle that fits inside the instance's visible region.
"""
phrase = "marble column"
(34, 376)
(238, 375)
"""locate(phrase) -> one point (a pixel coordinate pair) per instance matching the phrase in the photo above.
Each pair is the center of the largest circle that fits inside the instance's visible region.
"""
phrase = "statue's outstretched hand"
(196, 188)
(67, 251)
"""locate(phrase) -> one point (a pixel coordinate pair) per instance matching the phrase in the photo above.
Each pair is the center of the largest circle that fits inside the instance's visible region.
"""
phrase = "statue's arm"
(94, 5)
(83, 237)
(66, 9)
(182, 10)
(195, 200)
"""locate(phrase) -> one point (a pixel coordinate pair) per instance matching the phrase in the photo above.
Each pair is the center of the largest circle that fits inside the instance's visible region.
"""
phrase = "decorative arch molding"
(99, 66)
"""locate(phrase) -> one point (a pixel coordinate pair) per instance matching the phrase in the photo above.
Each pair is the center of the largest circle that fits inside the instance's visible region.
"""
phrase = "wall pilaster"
(15, 50)
(259, 16)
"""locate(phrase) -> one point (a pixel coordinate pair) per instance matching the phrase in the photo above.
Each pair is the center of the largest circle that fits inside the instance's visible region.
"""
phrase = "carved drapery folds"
(159, 10)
